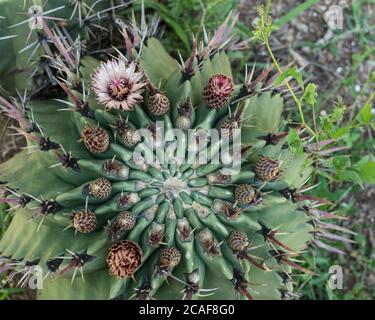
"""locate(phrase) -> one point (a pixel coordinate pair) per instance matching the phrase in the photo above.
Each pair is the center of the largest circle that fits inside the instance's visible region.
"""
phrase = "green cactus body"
(180, 216)
(25, 43)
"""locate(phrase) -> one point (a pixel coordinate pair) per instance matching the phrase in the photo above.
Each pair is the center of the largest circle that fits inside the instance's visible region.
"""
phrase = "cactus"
(22, 66)
(85, 205)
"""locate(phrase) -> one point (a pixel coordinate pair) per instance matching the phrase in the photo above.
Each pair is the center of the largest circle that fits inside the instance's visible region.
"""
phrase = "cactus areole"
(129, 192)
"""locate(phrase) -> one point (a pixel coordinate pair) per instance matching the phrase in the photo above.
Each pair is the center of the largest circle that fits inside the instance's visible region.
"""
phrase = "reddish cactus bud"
(217, 91)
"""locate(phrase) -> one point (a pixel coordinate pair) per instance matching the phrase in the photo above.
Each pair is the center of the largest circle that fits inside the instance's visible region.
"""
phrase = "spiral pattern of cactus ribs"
(172, 220)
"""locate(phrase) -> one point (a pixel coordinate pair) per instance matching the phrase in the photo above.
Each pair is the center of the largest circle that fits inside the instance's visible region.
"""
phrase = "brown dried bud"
(267, 169)
(124, 221)
(238, 241)
(130, 137)
(84, 221)
(228, 126)
(124, 258)
(245, 193)
(100, 188)
(158, 104)
(183, 123)
(169, 258)
(95, 139)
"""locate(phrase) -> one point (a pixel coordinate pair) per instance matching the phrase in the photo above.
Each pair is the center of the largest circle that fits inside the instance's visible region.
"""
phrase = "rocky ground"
(327, 56)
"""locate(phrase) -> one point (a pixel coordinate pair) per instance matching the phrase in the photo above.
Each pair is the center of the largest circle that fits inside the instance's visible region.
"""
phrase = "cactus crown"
(97, 206)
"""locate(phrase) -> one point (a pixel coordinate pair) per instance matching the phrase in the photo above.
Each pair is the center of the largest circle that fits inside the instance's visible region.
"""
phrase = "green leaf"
(177, 28)
(341, 162)
(349, 176)
(309, 96)
(296, 11)
(294, 142)
(367, 172)
(291, 72)
(330, 123)
(165, 14)
(339, 132)
(365, 115)
(358, 165)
